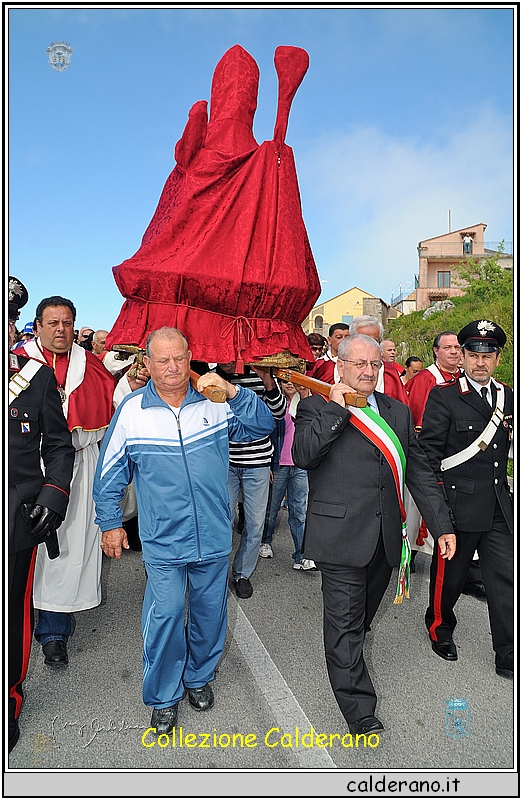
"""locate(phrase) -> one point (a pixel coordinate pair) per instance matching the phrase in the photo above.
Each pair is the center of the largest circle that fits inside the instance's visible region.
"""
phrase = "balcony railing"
(456, 248)
(404, 289)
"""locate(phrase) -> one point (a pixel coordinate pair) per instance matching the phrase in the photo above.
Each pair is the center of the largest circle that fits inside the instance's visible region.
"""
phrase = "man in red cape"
(71, 582)
(226, 257)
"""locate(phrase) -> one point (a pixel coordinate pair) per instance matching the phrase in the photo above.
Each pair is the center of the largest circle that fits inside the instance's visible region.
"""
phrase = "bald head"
(98, 341)
(168, 362)
(169, 334)
(388, 351)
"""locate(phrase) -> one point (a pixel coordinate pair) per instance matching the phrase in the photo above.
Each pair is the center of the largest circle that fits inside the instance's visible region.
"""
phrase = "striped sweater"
(259, 452)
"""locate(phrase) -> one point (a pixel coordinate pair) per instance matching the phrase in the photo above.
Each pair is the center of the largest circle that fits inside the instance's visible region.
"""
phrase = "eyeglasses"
(315, 347)
(362, 364)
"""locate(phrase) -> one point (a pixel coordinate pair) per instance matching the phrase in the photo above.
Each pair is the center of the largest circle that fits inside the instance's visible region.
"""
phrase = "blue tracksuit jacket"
(178, 459)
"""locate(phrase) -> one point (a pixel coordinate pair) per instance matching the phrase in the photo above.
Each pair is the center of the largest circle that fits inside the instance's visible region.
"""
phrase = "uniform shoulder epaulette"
(21, 380)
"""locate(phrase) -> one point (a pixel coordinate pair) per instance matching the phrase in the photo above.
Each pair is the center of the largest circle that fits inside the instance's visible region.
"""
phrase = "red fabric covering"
(397, 366)
(226, 257)
(418, 389)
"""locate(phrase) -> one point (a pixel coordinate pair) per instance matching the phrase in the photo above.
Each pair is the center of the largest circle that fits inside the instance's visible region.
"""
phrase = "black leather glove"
(43, 520)
(44, 523)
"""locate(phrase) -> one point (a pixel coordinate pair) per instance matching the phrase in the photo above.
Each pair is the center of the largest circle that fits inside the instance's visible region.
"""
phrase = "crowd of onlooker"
(285, 484)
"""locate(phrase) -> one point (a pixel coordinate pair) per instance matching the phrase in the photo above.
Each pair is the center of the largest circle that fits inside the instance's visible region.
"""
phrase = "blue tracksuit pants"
(178, 655)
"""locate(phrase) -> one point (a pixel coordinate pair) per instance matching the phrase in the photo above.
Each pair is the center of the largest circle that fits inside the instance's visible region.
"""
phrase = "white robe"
(414, 517)
(71, 582)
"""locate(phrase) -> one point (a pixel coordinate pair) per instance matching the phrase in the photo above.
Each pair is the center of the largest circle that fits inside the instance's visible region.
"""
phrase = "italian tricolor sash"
(380, 434)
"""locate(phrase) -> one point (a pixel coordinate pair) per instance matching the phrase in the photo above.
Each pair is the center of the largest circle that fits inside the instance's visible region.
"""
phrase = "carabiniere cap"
(482, 336)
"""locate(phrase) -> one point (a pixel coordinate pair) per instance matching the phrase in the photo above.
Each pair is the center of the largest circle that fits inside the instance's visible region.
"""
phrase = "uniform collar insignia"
(463, 385)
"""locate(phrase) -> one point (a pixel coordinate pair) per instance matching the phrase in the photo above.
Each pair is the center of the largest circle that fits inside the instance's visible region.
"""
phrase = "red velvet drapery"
(226, 257)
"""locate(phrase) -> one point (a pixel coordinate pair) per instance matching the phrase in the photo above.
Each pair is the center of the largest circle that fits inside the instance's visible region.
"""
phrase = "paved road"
(272, 677)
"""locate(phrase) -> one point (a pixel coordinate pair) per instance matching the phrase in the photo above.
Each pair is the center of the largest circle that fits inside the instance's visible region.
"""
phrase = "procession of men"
(459, 525)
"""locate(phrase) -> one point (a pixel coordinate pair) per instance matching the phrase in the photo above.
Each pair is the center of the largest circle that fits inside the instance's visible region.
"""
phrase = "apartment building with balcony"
(440, 256)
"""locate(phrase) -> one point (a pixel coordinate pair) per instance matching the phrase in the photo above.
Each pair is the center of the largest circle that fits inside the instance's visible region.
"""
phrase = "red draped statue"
(226, 257)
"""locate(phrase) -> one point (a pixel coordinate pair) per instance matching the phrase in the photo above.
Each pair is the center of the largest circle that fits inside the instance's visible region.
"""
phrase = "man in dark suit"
(353, 524)
(37, 502)
(466, 435)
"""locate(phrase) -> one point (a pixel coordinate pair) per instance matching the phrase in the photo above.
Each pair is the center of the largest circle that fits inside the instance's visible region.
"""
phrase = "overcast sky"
(403, 114)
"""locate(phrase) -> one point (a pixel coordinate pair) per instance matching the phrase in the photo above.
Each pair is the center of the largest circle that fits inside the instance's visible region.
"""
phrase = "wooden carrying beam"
(319, 387)
(217, 395)
(213, 393)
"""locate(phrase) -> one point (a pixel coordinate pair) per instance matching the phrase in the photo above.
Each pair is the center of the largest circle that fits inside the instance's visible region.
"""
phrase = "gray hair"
(346, 344)
(165, 333)
(366, 320)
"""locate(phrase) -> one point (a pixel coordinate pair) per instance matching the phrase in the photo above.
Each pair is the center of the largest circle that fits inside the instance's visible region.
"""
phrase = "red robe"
(418, 389)
(393, 386)
(90, 404)
(323, 369)
(226, 257)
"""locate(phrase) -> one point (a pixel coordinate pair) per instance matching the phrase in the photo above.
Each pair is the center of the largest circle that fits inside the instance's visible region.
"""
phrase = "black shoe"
(475, 589)
(14, 733)
(201, 699)
(505, 672)
(243, 588)
(164, 719)
(55, 653)
(369, 724)
(446, 650)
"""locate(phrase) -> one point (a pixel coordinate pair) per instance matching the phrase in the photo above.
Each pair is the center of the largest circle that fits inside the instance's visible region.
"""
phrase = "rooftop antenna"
(449, 220)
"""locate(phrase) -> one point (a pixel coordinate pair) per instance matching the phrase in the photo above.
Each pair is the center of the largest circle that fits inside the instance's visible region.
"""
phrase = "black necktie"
(484, 393)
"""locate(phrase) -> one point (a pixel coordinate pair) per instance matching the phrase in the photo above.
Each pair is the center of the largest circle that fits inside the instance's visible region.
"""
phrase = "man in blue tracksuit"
(174, 443)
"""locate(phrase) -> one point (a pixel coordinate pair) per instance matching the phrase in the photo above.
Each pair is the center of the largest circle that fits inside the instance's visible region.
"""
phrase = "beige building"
(405, 302)
(344, 308)
(439, 258)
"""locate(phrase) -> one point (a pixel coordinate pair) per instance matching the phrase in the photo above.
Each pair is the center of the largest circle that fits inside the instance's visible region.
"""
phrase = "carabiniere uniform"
(467, 442)
(37, 429)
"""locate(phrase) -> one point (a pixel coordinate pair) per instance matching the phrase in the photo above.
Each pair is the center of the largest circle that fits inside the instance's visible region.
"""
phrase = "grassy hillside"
(489, 296)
